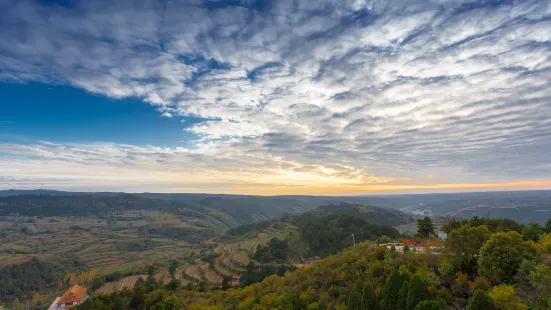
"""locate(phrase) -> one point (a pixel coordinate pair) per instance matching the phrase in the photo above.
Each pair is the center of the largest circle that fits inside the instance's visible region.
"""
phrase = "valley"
(111, 242)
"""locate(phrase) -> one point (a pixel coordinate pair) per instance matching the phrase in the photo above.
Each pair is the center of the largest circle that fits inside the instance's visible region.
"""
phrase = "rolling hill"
(372, 214)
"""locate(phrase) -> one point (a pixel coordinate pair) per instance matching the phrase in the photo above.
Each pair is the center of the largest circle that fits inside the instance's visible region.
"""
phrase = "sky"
(275, 97)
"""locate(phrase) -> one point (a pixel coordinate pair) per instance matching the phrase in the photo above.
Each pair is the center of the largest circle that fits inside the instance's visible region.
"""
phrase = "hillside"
(322, 231)
(321, 235)
(476, 268)
(377, 215)
(373, 214)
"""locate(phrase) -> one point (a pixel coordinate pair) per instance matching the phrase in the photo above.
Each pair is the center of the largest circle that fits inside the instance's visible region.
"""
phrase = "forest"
(321, 236)
(483, 264)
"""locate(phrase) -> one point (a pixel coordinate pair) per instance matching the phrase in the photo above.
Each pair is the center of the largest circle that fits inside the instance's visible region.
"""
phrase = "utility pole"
(354, 241)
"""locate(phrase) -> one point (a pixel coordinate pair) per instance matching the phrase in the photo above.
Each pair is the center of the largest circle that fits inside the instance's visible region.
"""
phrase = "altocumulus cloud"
(359, 92)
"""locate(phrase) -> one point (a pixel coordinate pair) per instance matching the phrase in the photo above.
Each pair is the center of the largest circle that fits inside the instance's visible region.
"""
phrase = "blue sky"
(273, 97)
(36, 111)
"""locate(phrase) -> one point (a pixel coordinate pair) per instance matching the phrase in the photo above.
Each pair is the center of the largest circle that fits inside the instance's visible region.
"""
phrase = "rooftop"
(75, 293)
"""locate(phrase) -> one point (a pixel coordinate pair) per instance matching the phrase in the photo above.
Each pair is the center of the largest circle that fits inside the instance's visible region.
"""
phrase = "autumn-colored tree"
(480, 301)
(461, 286)
(540, 278)
(480, 284)
(545, 242)
(501, 256)
(505, 298)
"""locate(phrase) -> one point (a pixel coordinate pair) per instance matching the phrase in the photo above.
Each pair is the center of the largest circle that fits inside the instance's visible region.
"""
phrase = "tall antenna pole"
(353, 240)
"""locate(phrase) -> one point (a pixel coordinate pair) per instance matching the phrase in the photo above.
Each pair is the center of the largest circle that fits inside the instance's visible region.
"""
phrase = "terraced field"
(126, 283)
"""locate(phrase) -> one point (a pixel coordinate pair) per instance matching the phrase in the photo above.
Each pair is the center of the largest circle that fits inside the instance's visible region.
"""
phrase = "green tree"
(402, 303)
(118, 302)
(547, 226)
(391, 289)
(480, 301)
(226, 282)
(138, 295)
(532, 231)
(93, 304)
(169, 302)
(463, 246)
(173, 284)
(505, 298)
(425, 227)
(354, 301)
(17, 305)
(172, 267)
(452, 225)
(369, 299)
(430, 305)
(417, 292)
(501, 255)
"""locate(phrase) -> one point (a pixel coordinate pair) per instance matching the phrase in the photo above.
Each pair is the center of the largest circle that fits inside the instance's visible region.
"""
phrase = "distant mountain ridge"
(522, 206)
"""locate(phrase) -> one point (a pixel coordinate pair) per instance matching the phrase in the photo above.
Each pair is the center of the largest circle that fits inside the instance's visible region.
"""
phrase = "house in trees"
(73, 296)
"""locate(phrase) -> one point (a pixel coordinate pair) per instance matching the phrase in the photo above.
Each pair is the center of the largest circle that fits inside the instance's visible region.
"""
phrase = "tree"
(169, 302)
(425, 227)
(402, 303)
(532, 231)
(226, 282)
(17, 305)
(93, 304)
(547, 226)
(463, 246)
(417, 292)
(138, 294)
(501, 255)
(391, 290)
(354, 301)
(369, 300)
(430, 305)
(452, 225)
(172, 267)
(151, 284)
(540, 279)
(545, 242)
(173, 284)
(480, 301)
(505, 298)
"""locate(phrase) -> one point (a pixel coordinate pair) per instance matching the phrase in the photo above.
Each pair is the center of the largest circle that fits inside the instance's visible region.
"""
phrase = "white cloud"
(388, 89)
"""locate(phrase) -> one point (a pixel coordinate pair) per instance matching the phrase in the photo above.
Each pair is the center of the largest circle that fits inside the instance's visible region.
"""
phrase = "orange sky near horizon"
(377, 189)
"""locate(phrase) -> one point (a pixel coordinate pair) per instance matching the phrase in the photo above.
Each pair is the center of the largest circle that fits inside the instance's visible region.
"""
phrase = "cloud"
(345, 91)
(7, 122)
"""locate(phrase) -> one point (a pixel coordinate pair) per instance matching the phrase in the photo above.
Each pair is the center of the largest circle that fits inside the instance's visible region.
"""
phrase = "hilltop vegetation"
(372, 214)
(323, 231)
(321, 236)
(477, 268)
